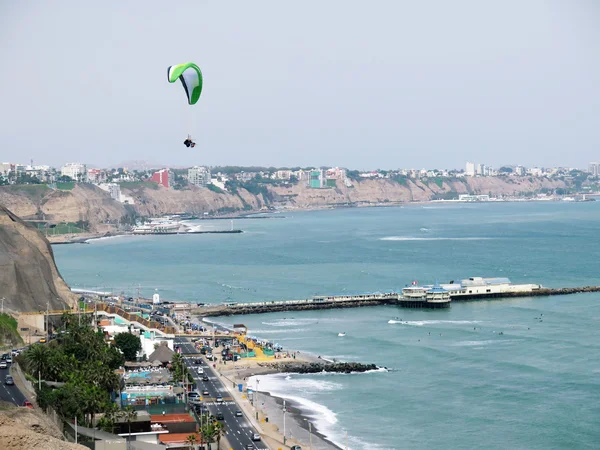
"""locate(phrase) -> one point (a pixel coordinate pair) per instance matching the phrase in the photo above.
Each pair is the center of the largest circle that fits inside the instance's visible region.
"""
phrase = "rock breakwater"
(318, 367)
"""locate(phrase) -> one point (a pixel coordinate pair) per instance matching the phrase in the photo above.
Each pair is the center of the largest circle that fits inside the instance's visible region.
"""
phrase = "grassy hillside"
(9, 336)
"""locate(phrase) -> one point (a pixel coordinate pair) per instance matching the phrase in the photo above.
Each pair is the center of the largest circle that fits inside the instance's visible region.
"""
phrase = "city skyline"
(416, 88)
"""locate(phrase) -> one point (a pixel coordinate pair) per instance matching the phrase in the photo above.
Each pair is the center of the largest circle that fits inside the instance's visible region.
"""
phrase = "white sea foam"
(420, 323)
(104, 238)
(297, 322)
(299, 389)
(286, 330)
(485, 342)
(412, 238)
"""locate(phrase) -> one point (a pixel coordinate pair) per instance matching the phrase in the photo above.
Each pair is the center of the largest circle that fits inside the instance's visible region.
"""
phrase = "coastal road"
(238, 430)
(10, 394)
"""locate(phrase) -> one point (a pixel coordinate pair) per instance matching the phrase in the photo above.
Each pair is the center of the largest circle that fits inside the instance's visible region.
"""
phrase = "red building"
(163, 177)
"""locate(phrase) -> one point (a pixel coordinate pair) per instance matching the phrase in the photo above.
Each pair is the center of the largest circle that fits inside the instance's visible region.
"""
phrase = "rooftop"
(171, 418)
(173, 438)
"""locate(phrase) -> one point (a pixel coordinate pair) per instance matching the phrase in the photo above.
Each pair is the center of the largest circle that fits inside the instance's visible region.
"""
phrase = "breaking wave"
(420, 323)
(412, 238)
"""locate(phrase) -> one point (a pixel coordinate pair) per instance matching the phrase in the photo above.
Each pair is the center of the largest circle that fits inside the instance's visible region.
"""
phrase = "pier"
(390, 298)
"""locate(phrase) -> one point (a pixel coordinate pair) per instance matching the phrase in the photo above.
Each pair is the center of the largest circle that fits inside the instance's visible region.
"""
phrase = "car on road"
(205, 392)
(200, 370)
(9, 381)
(9, 359)
(238, 413)
(193, 394)
(250, 447)
(3, 364)
(256, 437)
(205, 378)
(219, 399)
(220, 416)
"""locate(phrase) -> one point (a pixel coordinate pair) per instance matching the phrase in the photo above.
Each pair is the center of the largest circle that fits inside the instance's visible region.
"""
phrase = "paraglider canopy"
(191, 79)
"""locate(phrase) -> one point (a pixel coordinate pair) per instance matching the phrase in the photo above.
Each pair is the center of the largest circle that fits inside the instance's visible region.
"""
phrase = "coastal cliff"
(95, 207)
(28, 274)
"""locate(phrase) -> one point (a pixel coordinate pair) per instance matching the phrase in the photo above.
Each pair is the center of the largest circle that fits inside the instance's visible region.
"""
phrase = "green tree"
(191, 440)
(129, 344)
(218, 432)
(129, 414)
(36, 358)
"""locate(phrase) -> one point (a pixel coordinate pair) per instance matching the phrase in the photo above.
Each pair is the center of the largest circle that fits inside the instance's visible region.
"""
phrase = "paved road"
(12, 393)
(238, 430)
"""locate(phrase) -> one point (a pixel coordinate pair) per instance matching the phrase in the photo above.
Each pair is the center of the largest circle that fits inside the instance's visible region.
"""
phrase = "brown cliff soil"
(89, 203)
(28, 274)
(24, 428)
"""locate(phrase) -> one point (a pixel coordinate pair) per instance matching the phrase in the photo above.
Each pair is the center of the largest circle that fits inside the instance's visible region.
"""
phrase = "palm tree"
(129, 414)
(191, 440)
(37, 359)
(219, 430)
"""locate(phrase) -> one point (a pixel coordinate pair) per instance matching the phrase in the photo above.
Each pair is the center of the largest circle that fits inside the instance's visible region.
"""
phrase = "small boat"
(341, 334)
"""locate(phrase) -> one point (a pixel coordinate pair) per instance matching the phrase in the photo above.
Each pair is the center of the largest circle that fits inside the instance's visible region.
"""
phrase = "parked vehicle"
(256, 437)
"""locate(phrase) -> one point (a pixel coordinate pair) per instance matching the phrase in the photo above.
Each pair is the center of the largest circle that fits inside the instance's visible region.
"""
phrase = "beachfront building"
(164, 177)
(317, 179)
(594, 168)
(199, 176)
(75, 171)
(470, 169)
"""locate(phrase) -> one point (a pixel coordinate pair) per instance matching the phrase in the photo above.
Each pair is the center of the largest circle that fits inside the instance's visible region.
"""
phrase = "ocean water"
(454, 381)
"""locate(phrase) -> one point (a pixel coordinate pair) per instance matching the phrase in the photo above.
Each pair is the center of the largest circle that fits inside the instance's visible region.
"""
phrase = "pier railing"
(319, 300)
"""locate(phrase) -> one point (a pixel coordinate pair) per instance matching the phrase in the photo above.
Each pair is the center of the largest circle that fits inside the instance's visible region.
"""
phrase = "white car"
(256, 437)
(200, 370)
(3, 364)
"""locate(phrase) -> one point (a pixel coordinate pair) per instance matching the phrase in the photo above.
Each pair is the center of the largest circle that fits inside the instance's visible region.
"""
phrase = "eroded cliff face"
(83, 202)
(88, 203)
(153, 202)
(383, 190)
(28, 274)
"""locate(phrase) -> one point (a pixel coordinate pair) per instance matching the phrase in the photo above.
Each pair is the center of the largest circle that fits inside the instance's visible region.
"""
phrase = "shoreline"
(270, 406)
(79, 239)
(296, 422)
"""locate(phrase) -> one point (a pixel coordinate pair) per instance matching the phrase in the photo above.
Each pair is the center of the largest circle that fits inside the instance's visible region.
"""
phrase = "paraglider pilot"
(189, 143)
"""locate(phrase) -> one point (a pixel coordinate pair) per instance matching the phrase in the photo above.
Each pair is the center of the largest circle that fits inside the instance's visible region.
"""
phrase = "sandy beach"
(267, 414)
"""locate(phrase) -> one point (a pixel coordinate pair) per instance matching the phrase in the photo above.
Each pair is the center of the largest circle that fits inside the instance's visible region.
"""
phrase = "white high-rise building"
(76, 171)
(199, 176)
(470, 169)
(594, 168)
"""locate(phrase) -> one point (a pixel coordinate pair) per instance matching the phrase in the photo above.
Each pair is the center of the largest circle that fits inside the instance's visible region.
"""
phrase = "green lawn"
(62, 228)
(68, 186)
(32, 190)
(138, 184)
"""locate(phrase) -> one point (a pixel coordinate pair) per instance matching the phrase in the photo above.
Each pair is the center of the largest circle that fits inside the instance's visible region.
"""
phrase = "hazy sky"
(361, 84)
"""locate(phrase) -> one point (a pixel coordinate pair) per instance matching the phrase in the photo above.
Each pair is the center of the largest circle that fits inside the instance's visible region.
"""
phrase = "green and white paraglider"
(191, 78)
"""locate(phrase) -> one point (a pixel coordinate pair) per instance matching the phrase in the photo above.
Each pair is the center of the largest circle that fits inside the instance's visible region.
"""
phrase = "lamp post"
(309, 433)
(47, 315)
(284, 411)
(3, 304)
